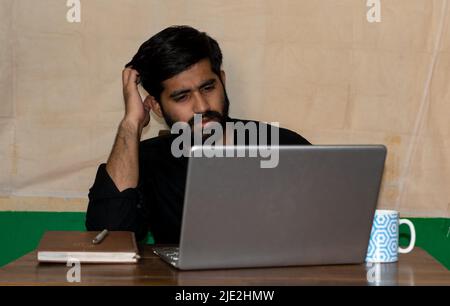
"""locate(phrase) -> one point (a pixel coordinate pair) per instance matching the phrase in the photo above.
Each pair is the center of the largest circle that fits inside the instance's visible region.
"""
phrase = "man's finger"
(147, 103)
(125, 76)
(132, 78)
(148, 100)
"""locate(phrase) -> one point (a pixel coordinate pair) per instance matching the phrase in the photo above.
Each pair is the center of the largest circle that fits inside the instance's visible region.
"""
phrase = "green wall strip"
(433, 235)
(20, 233)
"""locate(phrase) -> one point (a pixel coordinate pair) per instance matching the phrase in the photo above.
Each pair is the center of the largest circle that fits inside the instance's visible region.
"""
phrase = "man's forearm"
(123, 162)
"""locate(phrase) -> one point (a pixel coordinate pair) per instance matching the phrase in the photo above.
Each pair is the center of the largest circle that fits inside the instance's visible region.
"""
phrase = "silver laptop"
(314, 208)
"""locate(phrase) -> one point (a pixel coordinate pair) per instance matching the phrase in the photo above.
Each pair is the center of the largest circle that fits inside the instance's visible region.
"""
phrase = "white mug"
(383, 244)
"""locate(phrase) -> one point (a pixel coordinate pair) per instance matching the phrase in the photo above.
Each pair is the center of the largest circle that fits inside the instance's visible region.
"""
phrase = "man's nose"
(201, 105)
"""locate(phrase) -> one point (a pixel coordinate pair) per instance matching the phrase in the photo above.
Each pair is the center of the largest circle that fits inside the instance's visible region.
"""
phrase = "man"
(141, 187)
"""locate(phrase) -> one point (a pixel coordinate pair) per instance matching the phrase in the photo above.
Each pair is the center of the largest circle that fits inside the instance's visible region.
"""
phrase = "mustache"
(209, 115)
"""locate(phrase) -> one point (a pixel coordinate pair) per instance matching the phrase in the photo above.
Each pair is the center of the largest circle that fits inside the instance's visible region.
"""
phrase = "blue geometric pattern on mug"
(383, 244)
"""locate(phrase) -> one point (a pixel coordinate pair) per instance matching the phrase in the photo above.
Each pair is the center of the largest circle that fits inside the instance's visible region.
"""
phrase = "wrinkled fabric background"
(316, 66)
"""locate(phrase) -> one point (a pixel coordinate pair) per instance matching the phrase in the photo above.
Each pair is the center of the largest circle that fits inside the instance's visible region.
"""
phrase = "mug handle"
(413, 236)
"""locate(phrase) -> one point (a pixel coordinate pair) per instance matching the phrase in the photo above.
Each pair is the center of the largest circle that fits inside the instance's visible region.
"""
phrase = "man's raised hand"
(137, 112)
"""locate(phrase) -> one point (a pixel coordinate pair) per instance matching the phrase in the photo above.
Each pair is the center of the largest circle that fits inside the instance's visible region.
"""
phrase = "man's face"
(197, 90)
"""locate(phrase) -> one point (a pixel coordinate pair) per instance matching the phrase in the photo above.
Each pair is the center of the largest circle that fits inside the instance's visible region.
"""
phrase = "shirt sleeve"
(113, 210)
(288, 137)
(296, 139)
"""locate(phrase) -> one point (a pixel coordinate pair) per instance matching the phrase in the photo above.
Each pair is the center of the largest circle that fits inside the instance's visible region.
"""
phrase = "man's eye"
(208, 88)
(180, 98)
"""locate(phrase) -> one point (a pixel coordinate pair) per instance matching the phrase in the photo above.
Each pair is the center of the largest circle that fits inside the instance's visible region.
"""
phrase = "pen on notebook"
(99, 238)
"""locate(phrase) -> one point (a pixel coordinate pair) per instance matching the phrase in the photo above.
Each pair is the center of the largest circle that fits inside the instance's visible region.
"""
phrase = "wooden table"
(416, 268)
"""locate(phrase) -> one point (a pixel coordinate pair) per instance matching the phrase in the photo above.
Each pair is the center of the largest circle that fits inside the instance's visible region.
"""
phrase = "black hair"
(172, 51)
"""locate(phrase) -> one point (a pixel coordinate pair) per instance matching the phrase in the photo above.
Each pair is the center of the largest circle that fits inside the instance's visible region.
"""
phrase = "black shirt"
(156, 204)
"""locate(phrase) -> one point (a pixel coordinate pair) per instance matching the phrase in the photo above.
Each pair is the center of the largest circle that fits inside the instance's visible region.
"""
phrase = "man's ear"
(222, 76)
(152, 104)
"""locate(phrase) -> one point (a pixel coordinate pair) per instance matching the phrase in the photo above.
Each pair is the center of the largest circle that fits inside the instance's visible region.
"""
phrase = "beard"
(220, 117)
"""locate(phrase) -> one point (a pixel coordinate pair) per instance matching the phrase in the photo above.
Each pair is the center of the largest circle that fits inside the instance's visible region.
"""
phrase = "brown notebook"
(116, 247)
